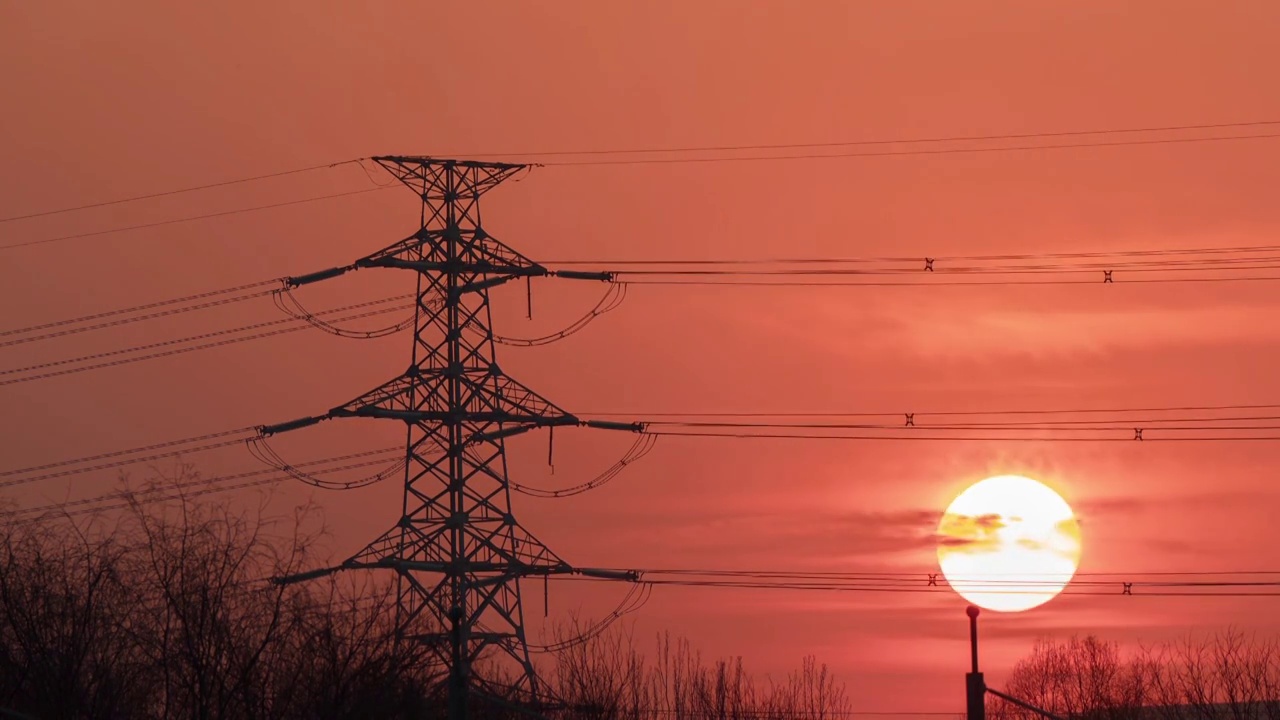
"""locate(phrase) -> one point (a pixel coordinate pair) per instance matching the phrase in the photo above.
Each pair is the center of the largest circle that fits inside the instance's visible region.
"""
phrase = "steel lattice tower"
(457, 548)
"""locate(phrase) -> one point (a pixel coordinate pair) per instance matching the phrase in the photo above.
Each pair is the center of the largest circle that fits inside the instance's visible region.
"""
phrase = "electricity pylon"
(457, 548)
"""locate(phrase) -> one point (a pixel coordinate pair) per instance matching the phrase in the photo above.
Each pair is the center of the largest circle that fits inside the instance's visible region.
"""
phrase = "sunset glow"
(1008, 543)
(662, 360)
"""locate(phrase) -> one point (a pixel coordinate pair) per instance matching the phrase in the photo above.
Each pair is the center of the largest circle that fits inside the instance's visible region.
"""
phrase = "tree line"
(1229, 675)
(157, 611)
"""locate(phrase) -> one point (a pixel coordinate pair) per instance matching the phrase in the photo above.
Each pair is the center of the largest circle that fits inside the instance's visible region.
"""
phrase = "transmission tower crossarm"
(411, 164)
(496, 416)
(508, 271)
(523, 422)
(294, 281)
(429, 566)
(636, 427)
(305, 576)
(474, 249)
(584, 275)
(269, 430)
(509, 570)
(533, 423)
(604, 574)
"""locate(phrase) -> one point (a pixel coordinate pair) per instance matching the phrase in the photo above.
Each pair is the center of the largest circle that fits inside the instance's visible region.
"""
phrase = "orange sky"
(102, 102)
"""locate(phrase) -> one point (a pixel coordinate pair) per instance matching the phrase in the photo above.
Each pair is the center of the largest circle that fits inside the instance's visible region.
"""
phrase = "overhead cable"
(613, 297)
(190, 218)
(635, 599)
(262, 450)
(642, 446)
(77, 329)
(896, 141)
(137, 308)
(157, 493)
(290, 325)
(179, 191)
(913, 437)
(903, 153)
(1237, 264)
(926, 413)
(295, 309)
(131, 456)
(1086, 255)
(943, 283)
(938, 582)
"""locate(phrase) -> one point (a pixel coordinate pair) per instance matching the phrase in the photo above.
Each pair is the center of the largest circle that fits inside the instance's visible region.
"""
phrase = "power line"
(938, 583)
(954, 413)
(1129, 253)
(1124, 425)
(844, 272)
(1067, 591)
(901, 153)
(899, 141)
(642, 446)
(137, 308)
(904, 437)
(915, 417)
(1164, 424)
(165, 492)
(218, 302)
(1211, 264)
(179, 191)
(943, 283)
(1202, 258)
(686, 149)
(171, 448)
(925, 576)
(1203, 264)
(121, 463)
(190, 218)
(292, 325)
(695, 712)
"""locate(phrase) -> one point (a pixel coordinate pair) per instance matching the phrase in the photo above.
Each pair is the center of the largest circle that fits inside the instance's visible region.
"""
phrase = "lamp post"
(976, 688)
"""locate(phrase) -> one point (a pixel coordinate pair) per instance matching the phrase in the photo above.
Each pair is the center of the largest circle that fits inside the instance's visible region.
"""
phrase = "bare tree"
(607, 676)
(1226, 675)
(63, 652)
(347, 663)
(1076, 677)
(168, 612)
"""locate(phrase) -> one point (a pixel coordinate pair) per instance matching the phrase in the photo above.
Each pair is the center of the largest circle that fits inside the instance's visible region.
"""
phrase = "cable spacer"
(1106, 276)
(1137, 433)
(1128, 589)
(911, 420)
(928, 264)
(933, 579)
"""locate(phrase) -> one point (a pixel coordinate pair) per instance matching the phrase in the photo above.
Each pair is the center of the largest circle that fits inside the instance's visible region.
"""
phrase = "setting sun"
(1008, 543)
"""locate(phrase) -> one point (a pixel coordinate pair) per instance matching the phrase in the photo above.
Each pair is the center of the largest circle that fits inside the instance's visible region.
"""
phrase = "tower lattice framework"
(457, 548)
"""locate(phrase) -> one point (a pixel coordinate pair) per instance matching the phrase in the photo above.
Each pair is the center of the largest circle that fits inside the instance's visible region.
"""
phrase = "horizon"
(1143, 398)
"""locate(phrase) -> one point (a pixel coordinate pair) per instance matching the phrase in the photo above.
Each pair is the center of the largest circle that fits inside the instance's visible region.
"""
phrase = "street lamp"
(976, 688)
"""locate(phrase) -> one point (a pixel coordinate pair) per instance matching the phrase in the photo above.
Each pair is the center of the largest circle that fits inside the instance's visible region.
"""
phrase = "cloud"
(984, 329)
(830, 537)
(1011, 331)
(1128, 504)
(975, 533)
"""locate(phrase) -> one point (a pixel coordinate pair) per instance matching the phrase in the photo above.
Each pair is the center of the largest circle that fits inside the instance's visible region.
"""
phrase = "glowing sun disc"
(1008, 543)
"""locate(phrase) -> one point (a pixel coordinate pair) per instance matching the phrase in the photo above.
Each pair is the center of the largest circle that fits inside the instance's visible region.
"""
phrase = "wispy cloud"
(813, 537)
(984, 330)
